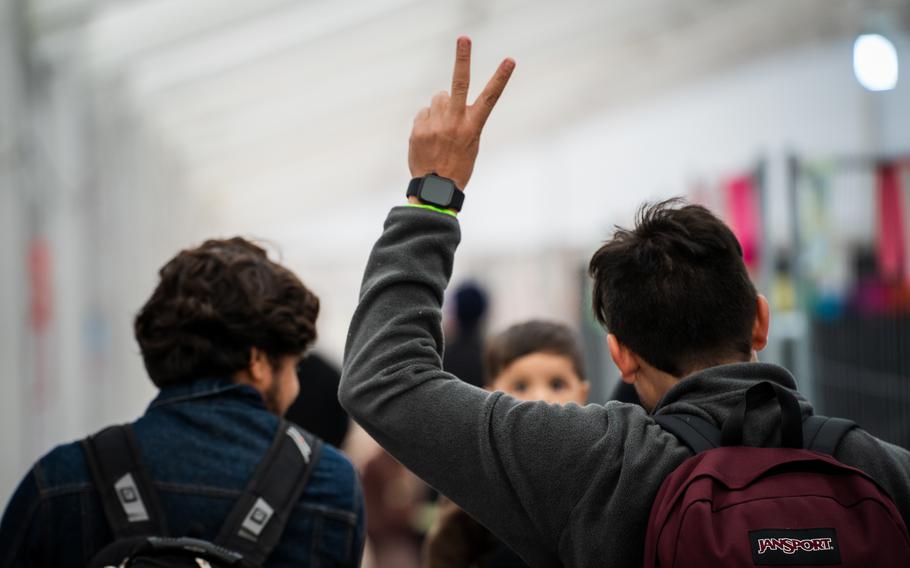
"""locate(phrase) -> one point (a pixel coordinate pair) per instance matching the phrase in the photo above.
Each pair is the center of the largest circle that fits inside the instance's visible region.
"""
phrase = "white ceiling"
(278, 106)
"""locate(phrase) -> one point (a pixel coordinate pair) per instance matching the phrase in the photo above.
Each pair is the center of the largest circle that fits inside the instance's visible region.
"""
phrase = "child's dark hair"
(675, 289)
(535, 336)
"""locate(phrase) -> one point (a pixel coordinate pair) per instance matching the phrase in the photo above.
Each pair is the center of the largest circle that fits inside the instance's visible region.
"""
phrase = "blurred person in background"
(565, 484)
(625, 392)
(464, 344)
(396, 503)
(316, 408)
(534, 360)
(221, 337)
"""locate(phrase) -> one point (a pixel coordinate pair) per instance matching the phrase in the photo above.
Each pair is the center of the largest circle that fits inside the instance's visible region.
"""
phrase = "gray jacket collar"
(713, 393)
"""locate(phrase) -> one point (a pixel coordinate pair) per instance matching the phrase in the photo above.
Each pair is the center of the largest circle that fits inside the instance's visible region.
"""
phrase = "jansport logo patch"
(793, 545)
(787, 547)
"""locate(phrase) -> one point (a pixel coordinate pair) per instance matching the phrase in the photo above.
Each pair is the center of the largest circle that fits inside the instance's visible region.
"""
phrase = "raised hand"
(446, 135)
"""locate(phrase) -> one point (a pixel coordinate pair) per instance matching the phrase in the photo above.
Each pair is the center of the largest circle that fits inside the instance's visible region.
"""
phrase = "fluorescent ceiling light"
(875, 62)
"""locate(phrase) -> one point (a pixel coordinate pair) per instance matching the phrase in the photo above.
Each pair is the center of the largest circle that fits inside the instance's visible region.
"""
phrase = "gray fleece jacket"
(562, 485)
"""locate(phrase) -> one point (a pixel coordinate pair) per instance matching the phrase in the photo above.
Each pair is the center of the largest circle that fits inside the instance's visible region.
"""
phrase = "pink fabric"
(39, 273)
(892, 247)
(40, 315)
(745, 217)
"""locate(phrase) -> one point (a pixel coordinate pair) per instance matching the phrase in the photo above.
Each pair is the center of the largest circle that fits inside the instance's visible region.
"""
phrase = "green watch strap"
(433, 208)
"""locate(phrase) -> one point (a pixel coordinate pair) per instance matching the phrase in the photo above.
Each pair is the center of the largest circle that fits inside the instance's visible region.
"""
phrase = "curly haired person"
(220, 337)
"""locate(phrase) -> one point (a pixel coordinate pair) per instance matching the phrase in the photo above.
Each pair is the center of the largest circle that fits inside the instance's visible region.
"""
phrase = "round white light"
(875, 62)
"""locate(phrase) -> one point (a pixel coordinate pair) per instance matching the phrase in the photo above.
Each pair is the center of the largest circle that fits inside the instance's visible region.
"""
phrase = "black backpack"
(138, 523)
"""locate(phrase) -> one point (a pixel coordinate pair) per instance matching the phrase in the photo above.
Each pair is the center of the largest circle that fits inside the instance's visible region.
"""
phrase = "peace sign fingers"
(484, 104)
(461, 75)
(445, 138)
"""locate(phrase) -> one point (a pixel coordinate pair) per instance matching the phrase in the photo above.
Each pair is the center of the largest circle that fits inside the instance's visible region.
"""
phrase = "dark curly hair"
(675, 289)
(534, 336)
(213, 304)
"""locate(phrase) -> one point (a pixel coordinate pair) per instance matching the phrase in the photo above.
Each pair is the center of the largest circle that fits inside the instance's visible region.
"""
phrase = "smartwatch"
(438, 191)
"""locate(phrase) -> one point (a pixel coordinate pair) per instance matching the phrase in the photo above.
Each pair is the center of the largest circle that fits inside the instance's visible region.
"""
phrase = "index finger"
(487, 99)
(461, 76)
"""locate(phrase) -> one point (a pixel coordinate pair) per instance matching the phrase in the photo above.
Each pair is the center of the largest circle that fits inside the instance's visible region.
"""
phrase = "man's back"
(200, 442)
(561, 485)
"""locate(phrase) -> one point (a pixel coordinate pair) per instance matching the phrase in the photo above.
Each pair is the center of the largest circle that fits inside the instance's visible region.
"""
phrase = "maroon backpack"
(731, 505)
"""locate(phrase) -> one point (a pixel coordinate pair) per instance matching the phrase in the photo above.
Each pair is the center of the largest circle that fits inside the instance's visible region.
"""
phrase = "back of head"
(216, 302)
(470, 306)
(675, 289)
(535, 336)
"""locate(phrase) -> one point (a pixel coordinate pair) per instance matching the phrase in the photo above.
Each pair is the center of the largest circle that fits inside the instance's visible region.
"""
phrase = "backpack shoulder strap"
(695, 432)
(823, 434)
(128, 498)
(820, 433)
(255, 524)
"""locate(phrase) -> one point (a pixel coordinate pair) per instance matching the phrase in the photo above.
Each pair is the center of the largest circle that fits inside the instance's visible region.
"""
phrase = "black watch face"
(437, 190)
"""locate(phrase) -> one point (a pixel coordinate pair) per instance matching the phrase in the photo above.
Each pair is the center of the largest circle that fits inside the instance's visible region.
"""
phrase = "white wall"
(78, 172)
(12, 289)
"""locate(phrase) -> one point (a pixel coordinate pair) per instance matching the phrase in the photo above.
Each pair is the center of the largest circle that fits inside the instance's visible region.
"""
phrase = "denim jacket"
(200, 442)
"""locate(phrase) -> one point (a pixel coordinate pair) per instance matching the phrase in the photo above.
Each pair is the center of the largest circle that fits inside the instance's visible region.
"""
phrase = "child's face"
(542, 376)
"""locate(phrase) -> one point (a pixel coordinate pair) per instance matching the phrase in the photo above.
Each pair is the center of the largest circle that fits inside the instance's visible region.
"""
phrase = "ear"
(624, 359)
(260, 367)
(761, 325)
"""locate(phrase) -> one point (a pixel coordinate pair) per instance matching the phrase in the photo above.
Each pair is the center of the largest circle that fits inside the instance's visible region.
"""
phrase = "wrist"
(436, 191)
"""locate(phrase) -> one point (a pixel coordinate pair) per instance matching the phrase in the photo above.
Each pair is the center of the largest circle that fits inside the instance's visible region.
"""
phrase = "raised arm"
(513, 466)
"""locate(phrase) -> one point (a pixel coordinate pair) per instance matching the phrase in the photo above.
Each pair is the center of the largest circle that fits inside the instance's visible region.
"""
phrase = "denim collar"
(205, 388)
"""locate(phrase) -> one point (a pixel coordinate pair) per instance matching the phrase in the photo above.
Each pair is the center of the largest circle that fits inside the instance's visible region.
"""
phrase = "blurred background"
(130, 129)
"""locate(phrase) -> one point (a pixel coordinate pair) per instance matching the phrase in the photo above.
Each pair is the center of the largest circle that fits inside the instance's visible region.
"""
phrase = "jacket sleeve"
(19, 529)
(505, 462)
(887, 464)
